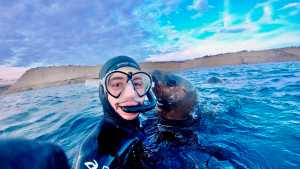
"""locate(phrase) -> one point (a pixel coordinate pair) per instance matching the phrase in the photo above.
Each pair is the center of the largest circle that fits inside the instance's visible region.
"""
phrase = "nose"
(129, 90)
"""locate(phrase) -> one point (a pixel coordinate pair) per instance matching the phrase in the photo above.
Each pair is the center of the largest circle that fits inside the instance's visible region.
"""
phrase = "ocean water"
(253, 111)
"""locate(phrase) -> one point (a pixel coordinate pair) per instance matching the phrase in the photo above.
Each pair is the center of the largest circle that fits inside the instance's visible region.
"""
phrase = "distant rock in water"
(30, 154)
(214, 80)
(3, 88)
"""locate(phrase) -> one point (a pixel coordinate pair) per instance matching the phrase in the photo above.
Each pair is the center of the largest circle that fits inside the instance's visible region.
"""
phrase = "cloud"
(38, 32)
(228, 21)
(267, 13)
(267, 17)
(227, 18)
(263, 18)
(291, 5)
(222, 43)
(233, 30)
(60, 32)
(294, 8)
(198, 5)
(5, 54)
(226, 35)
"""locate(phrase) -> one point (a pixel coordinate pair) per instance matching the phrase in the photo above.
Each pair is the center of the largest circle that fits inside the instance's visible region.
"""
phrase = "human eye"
(117, 84)
(138, 83)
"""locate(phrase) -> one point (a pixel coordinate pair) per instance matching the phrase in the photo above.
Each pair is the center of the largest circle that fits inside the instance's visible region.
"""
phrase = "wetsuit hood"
(109, 112)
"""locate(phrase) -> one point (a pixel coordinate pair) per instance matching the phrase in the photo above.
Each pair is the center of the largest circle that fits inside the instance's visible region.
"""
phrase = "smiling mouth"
(127, 103)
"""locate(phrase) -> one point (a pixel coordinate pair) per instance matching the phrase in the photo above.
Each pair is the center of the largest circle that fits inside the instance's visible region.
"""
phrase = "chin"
(128, 116)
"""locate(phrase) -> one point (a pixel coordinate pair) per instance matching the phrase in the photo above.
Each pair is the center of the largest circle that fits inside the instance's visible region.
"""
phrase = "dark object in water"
(30, 154)
(175, 139)
(176, 96)
(214, 80)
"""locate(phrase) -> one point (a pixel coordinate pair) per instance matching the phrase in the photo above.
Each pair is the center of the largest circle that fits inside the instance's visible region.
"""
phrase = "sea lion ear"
(171, 83)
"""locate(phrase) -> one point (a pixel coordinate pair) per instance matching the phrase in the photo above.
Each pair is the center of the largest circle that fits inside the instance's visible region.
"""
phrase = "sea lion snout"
(167, 87)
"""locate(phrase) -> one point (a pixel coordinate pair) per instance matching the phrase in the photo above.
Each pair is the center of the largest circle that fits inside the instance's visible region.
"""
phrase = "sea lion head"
(176, 96)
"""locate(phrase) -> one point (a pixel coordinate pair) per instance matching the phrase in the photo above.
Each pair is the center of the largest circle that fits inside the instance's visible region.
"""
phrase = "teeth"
(118, 106)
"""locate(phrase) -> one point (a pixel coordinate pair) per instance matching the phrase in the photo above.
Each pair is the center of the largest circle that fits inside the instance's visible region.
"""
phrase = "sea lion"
(214, 80)
(176, 96)
(175, 130)
(30, 154)
(176, 137)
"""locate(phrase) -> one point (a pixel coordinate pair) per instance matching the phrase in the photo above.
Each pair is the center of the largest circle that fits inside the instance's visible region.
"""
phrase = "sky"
(87, 32)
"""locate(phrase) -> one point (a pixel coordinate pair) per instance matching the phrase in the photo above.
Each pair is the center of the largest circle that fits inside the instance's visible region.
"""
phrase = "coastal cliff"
(60, 75)
(52, 76)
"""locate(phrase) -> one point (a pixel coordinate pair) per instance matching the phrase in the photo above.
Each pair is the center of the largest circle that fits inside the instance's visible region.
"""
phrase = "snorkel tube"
(149, 105)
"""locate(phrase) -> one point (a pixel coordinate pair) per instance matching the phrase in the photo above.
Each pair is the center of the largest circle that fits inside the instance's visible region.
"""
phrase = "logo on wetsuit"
(94, 165)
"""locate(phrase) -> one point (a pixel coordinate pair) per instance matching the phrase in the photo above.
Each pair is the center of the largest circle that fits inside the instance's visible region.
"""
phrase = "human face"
(128, 97)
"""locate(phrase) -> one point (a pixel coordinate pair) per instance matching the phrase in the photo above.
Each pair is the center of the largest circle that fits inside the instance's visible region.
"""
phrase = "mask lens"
(141, 82)
(116, 82)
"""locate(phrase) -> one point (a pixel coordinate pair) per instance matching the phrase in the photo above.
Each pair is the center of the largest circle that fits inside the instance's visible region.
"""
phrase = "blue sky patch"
(42, 33)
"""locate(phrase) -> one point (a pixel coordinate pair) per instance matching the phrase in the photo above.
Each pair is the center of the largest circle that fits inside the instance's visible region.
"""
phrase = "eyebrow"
(116, 78)
(137, 78)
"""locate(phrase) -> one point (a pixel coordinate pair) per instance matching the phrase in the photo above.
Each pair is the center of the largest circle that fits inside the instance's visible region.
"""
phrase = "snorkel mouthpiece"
(149, 105)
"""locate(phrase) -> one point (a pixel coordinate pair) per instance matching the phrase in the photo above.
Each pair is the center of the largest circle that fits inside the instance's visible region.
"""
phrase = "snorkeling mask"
(116, 81)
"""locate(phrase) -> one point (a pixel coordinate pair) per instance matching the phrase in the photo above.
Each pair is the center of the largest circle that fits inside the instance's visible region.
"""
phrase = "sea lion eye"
(171, 83)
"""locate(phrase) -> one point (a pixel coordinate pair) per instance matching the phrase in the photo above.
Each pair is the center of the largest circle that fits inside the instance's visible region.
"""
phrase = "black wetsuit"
(116, 142)
(112, 146)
